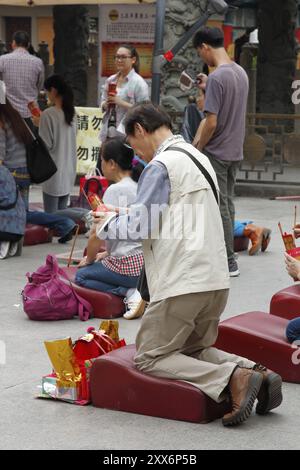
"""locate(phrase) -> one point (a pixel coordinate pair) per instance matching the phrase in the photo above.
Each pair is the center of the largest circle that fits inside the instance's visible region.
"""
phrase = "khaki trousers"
(175, 339)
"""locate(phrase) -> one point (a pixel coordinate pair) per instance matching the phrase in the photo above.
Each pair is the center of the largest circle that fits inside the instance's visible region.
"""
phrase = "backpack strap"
(84, 307)
(200, 167)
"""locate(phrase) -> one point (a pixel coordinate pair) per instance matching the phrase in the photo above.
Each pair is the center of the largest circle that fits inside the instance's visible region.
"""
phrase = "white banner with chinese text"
(89, 122)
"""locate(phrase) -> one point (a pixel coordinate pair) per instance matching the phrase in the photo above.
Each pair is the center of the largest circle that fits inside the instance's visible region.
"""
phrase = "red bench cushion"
(241, 243)
(36, 234)
(104, 305)
(260, 337)
(286, 302)
(117, 385)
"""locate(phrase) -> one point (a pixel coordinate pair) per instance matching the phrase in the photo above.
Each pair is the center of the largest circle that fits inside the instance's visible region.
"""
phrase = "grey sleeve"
(144, 215)
(46, 130)
(213, 96)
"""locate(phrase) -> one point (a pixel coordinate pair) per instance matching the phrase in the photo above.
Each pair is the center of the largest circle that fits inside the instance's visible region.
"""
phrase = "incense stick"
(86, 196)
(295, 216)
(280, 228)
(73, 245)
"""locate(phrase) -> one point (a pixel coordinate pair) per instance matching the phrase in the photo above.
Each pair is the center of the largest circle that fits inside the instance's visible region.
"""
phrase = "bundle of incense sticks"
(88, 199)
(288, 239)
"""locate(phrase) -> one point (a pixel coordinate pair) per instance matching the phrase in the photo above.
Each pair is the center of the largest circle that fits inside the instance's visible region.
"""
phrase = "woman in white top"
(131, 88)
(117, 269)
(57, 127)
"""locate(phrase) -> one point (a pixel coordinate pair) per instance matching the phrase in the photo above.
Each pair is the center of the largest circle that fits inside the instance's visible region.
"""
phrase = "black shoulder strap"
(201, 168)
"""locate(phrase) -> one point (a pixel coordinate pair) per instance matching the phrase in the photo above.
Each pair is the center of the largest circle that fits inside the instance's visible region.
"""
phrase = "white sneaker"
(134, 304)
(4, 249)
(13, 248)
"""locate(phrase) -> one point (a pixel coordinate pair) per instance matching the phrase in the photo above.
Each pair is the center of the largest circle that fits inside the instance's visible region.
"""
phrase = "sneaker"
(66, 238)
(4, 249)
(13, 248)
(134, 304)
(233, 268)
(136, 312)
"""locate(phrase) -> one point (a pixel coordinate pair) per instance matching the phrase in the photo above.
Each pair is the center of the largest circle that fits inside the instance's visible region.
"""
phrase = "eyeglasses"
(122, 57)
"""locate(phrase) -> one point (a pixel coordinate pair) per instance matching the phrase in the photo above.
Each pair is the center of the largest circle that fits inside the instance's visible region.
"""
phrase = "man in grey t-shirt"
(222, 136)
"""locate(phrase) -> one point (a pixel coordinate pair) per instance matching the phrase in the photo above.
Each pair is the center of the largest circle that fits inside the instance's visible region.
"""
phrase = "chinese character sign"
(88, 144)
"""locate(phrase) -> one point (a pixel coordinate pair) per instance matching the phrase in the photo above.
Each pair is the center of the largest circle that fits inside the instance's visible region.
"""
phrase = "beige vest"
(187, 253)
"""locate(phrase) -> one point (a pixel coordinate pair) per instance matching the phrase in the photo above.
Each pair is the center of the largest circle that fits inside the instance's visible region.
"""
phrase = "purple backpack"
(47, 296)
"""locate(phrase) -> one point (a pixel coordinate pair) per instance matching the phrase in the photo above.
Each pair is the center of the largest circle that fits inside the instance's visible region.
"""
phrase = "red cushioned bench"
(104, 305)
(286, 302)
(240, 243)
(36, 234)
(260, 337)
(117, 385)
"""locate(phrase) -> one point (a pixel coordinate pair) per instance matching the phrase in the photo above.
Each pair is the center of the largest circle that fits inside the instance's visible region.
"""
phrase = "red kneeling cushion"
(116, 384)
(241, 243)
(36, 234)
(260, 337)
(286, 302)
(104, 305)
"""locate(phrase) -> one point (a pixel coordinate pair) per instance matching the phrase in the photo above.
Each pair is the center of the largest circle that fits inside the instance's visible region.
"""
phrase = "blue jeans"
(239, 227)
(98, 277)
(62, 225)
(293, 330)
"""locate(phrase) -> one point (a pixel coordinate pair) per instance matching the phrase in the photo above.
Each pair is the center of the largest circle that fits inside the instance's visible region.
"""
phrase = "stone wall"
(180, 16)
(276, 62)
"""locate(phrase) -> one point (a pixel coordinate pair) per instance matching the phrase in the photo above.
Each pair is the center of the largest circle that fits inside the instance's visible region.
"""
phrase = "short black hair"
(214, 37)
(151, 117)
(21, 38)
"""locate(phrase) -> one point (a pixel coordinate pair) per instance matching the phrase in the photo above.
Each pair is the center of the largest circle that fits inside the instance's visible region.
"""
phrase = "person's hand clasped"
(114, 99)
(84, 262)
(292, 267)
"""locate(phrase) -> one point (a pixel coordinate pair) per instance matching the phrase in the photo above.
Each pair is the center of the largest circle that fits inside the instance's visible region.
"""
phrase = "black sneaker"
(233, 268)
(66, 238)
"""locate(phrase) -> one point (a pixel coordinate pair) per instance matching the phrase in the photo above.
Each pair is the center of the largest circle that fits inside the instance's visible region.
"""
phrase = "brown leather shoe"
(257, 236)
(244, 387)
(266, 239)
(270, 394)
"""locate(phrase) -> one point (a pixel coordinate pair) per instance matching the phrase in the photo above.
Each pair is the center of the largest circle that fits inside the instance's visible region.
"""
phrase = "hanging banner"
(122, 24)
(127, 23)
(89, 122)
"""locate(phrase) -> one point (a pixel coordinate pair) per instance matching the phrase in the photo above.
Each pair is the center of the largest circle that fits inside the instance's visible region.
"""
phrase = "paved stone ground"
(28, 423)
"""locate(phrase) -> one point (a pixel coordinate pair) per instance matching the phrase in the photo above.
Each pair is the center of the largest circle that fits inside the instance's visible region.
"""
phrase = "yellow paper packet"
(111, 328)
(62, 357)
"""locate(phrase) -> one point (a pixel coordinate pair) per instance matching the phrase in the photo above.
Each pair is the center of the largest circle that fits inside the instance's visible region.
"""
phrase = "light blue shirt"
(154, 189)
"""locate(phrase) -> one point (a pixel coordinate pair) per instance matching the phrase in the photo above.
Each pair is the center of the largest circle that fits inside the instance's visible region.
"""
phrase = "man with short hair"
(222, 136)
(22, 73)
(186, 268)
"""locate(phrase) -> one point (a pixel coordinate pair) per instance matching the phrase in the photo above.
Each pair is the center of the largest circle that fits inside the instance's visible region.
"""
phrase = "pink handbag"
(47, 297)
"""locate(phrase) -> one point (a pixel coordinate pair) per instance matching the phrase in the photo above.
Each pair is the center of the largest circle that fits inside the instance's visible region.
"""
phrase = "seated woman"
(12, 214)
(118, 268)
